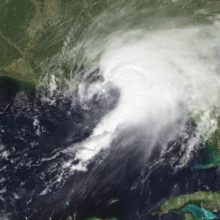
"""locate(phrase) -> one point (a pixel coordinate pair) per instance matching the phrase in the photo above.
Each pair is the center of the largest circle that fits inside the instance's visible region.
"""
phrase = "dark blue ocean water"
(126, 182)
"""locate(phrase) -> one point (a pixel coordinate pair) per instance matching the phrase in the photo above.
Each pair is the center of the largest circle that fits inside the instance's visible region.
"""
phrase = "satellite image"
(109, 109)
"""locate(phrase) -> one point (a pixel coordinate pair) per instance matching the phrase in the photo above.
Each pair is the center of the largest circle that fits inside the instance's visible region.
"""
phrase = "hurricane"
(109, 110)
(163, 77)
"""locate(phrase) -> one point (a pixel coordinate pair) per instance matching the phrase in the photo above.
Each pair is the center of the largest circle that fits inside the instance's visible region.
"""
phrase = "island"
(200, 205)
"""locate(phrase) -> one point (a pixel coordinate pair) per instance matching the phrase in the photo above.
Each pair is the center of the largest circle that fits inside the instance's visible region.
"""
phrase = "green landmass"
(205, 200)
(35, 36)
(212, 137)
(33, 32)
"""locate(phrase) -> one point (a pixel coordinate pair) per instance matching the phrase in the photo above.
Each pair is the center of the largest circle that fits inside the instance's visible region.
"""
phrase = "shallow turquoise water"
(199, 213)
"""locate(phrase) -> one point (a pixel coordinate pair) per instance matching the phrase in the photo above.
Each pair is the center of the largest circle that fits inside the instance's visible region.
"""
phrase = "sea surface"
(107, 108)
